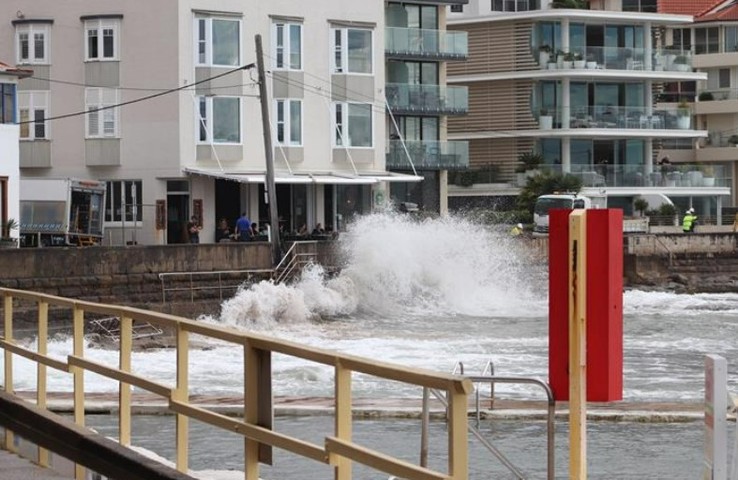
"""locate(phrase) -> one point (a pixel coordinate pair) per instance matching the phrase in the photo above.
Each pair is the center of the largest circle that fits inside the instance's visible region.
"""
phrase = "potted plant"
(545, 121)
(640, 205)
(708, 175)
(681, 63)
(591, 62)
(530, 161)
(6, 241)
(579, 61)
(568, 61)
(733, 140)
(705, 96)
(683, 116)
(544, 55)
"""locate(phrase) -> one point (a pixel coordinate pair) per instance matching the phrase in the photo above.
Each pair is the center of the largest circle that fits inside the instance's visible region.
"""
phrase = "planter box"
(545, 122)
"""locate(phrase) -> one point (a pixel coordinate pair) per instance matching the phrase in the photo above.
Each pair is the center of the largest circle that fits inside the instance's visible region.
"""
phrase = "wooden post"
(458, 436)
(43, 337)
(342, 466)
(8, 379)
(79, 379)
(124, 389)
(181, 394)
(251, 409)
(578, 345)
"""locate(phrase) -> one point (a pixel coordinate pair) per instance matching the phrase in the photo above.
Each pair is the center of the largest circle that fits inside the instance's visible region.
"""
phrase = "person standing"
(243, 228)
(689, 221)
(517, 230)
(193, 229)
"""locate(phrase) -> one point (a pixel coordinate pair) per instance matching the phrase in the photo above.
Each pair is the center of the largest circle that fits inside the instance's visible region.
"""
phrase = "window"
(123, 201)
(682, 39)
(352, 50)
(32, 43)
(288, 46)
(514, 5)
(7, 103)
(724, 78)
(102, 123)
(353, 125)
(640, 6)
(101, 39)
(218, 41)
(289, 122)
(707, 40)
(219, 119)
(33, 107)
(458, 8)
(730, 39)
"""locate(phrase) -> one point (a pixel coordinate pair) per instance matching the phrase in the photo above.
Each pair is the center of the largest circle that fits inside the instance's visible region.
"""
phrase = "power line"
(141, 99)
(142, 89)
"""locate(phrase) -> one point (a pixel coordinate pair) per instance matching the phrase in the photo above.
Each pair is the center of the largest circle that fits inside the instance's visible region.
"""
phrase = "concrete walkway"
(14, 467)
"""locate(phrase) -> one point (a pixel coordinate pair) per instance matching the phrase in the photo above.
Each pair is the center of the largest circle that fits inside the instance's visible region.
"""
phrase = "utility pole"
(270, 191)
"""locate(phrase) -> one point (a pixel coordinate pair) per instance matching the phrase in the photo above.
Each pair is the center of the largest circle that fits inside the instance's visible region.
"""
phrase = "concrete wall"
(680, 243)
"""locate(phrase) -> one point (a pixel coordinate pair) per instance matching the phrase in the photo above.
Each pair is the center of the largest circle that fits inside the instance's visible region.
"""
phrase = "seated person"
(303, 230)
(254, 229)
(223, 232)
(318, 230)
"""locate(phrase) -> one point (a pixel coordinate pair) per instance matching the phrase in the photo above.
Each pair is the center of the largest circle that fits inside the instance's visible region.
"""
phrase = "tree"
(545, 184)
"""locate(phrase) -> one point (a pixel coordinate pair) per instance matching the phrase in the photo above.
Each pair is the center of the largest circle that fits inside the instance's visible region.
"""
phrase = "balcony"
(428, 155)
(614, 58)
(427, 99)
(422, 44)
(679, 175)
(600, 116)
(717, 101)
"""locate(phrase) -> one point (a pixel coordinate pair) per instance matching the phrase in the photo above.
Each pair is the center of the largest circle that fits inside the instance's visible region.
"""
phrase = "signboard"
(716, 404)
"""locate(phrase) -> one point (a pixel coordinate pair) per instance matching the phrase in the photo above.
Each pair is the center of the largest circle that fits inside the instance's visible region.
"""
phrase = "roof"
(725, 14)
(686, 7)
(10, 70)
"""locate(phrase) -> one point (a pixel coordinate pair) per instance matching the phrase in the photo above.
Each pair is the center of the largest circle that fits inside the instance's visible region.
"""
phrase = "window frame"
(286, 122)
(33, 29)
(340, 122)
(208, 40)
(340, 58)
(99, 26)
(206, 124)
(33, 101)
(125, 190)
(286, 46)
(103, 116)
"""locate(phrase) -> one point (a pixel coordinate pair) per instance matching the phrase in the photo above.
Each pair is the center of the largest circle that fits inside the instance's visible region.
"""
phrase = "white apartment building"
(200, 151)
(580, 84)
(9, 155)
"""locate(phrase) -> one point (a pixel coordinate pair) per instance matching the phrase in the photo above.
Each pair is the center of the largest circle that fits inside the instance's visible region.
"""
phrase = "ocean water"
(430, 294)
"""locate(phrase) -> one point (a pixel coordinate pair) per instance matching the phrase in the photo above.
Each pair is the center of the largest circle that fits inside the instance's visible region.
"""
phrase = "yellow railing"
(338, 450)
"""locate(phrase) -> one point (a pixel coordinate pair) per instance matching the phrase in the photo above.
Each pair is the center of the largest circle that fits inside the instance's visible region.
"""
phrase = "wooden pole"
(578, 345)
(269, 184)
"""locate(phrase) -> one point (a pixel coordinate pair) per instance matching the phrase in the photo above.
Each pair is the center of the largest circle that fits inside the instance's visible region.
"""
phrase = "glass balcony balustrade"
(422, 43)
(428, 155)
(615, 58)
(679, 175)
(427, 99)
(605, 116)
(719, 94)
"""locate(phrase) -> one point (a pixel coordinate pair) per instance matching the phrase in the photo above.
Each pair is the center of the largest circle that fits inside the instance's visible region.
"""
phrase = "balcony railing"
(600, 116)
(615, 58)
(674, 175)
(422, 43)
(720, 94)
(428, 155)
(720, 139)
(427, 99)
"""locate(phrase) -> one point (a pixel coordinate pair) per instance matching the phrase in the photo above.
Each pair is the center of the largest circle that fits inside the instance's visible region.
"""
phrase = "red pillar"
(604, 304)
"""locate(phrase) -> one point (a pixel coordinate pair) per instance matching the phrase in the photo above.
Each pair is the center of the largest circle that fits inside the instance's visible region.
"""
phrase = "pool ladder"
(488, 376)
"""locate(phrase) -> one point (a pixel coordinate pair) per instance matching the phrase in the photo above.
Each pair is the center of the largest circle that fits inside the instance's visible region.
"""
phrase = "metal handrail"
(191, 276)
(492, 379)
(551, 410)
(668, 250)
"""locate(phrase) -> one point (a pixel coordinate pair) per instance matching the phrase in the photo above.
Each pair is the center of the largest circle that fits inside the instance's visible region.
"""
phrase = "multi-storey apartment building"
(9, 158)
(713, 40)
(199, 150)
(580, 85)
(417, 49)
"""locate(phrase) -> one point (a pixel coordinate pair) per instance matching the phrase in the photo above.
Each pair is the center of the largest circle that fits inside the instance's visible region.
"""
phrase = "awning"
(316, 178)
